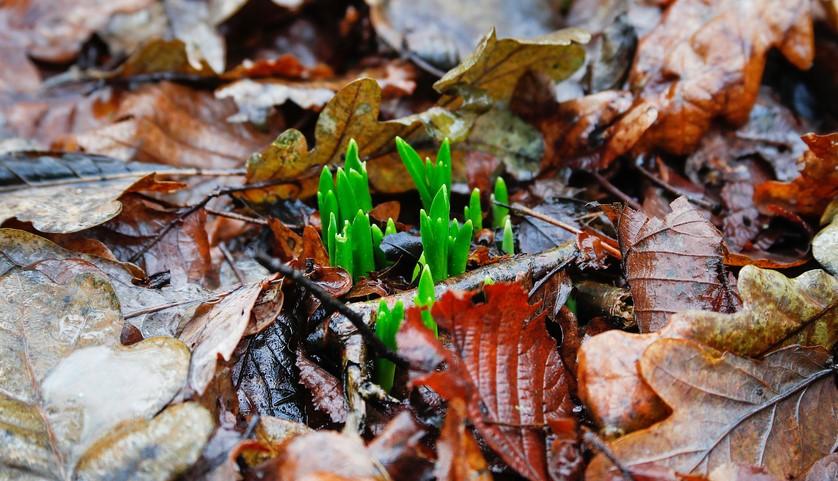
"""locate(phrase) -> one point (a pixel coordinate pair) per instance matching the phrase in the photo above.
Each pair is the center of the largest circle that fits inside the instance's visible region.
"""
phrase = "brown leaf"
(400, 449)
(672, 264)
(824, 470)
(814, 188)
(216, 330)
(729, 409)
(503, 362)
(824, 243)
(325, 389)
(496, 65)
(174, 125)
(776, 312)
(705, 60)
(459, 457)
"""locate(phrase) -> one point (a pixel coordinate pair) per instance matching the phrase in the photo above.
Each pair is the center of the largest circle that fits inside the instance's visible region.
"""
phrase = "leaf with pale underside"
(825, 243)
(496, 64)
(777, 311)
(216, 330)
(70, 192)
(778, 413)
(65, 380)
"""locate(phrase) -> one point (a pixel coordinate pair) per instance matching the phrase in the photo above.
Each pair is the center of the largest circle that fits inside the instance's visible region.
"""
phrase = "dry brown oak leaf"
(778, 413)
(505, 365)
(705, 61)
(777, 311)
(673, 264)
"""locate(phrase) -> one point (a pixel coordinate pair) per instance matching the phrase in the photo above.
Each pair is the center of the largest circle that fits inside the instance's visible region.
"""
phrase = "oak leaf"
(727, 409)
(776, 312)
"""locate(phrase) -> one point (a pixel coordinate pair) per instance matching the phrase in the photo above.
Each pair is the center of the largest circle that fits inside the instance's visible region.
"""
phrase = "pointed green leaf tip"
(501, 194)
(425, 299)
(428, 176)
(508, 243)
(474, 211)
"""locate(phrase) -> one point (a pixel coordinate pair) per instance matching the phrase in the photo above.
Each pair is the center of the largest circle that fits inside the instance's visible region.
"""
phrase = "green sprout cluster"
(352, 242)
(427, 175)
(445, 242)
(387, 323)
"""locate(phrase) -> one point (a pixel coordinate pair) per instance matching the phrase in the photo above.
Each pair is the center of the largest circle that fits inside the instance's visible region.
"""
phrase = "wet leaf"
(729, 409)
(459, 457)
(70, 192)
(66, 379)
(326, 390)
(286, 157)
(216, 330)
(21, 249)
(151, 450)
(776, 312)
(814, 188)
(496, 65)
(400, 448)
(673, 264)
(702, 62)
(503, 363)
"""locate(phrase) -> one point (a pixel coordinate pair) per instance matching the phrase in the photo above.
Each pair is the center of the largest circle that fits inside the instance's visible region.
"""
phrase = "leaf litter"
(660, 303)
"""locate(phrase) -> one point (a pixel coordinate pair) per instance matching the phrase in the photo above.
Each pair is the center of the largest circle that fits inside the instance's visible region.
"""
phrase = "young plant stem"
(500, 198)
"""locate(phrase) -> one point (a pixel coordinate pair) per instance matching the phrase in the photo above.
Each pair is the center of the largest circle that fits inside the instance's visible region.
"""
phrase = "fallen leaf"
(194, 23)
(503, 362)
(71, 192)
(287, 158)
(703, 62)
(814, 188)
(459, 457)
(216, 330)
(401, 450)
(729, 409)
(171, 124)
(824, 470)
(738, 472)
(823, 244)
(496, 65)
(138, 304)
(673, 264)
(776, 312)
(67, 381)
(325, 389)
(160, 448)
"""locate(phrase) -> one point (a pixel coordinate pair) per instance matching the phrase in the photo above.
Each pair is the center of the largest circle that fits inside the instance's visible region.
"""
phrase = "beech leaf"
(503, 363)
(777, 413)
(673, 264)
(776, 312)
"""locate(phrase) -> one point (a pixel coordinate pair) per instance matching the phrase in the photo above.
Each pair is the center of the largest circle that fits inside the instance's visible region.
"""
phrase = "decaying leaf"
(287, 157)
(66, 380)
(825, 469)
(503, 363)
(70, 192)
(815, 187)
(151, 450)
(496, 65)
(777, 413)
(216, 330)
(673, 264)
(776, 312)
(705, 61)
(459, 457)
(326, 390)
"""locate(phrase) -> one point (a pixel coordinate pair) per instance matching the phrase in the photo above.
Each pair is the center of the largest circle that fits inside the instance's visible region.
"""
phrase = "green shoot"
(425, 299)
(428, 176)
(508, 243)
(445, 243)
(501, 195)
(387, 323)
(474, 212)
(362, 254)
(348, 192)
(571, 304)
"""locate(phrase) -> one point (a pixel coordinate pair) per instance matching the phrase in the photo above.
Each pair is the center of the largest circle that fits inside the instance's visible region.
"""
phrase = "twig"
(605, 298)
(590, 438)
(611, 250)
(236, 216)
(330, 302)
(675, 190)
(616, 192)
(231, 262)
(193, 208)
